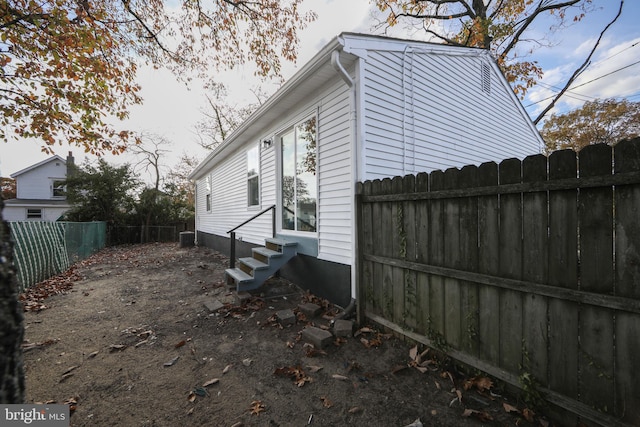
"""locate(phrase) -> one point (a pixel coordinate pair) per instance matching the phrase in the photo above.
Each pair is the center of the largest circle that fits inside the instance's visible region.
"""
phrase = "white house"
(40, 192)
(364, 107)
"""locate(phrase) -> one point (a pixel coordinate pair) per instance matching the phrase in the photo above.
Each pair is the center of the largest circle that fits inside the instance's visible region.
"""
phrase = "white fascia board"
(354, 43)
(514, 98)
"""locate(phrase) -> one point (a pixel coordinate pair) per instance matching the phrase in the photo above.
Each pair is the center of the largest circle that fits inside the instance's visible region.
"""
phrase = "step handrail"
(232, 254)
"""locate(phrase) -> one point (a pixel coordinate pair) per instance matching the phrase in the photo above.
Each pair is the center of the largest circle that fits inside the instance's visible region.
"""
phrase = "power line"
(618, 53)
(569, 93)
(586, 83)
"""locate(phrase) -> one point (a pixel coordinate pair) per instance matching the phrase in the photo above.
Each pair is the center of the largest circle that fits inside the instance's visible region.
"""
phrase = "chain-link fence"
(44, 249)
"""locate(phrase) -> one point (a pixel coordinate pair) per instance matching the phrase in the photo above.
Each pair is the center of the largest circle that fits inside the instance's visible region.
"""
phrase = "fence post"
(232, 254)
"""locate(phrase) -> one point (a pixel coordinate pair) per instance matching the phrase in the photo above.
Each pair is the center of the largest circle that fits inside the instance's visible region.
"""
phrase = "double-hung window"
(58, 189)
(253, 176)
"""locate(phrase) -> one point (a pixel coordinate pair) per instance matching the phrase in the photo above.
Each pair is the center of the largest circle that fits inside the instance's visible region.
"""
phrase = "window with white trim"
(58, 188)
(208, 193)
(253, 176)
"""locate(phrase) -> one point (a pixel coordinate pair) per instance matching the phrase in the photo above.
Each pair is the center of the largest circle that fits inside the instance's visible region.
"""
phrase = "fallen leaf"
(247, 362)
(298, 375)
(26, 346)
(313, 369)
(172, 361)
(72, 402)
(339, 377)
(92, 354)
(508, 408)
(191, 397)
(117, 347)
(180, 344)
(257, 407)
(480, 383)
(355, 410)
(65, 377)
(70, 369)
(190, 411)
(413, 353)
(226, 369)
(211, 382)
(528, 414)
(364, 330)
(326, 402)
(313, 352)
(399, 368)
(480, 415)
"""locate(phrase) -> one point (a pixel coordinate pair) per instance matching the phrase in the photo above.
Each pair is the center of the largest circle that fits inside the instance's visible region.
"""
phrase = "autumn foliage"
(606, 121)
(69, 66)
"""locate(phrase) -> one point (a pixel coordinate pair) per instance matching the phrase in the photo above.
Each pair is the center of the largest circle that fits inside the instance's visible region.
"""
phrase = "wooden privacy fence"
(528, 270)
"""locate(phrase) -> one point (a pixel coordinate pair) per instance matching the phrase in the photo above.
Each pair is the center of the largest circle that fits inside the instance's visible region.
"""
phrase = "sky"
(171, 109)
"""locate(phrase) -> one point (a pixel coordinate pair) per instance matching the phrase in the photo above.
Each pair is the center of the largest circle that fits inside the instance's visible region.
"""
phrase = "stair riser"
(260, 275)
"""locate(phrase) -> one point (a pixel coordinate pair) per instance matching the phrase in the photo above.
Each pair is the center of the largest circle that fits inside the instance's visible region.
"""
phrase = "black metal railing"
(232, 254)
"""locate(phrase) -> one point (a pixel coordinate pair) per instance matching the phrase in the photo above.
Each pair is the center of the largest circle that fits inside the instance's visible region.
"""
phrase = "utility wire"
(586, 83)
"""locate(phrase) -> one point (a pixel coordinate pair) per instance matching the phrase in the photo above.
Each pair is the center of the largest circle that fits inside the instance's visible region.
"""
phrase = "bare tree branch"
(580, 69)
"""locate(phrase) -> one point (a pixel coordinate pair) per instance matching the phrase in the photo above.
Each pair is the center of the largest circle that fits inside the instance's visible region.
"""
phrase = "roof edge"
(318, 59)
(34, 166)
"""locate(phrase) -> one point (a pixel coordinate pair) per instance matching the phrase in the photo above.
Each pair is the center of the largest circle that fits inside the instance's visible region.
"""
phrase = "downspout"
(196, 217)
(335, 62)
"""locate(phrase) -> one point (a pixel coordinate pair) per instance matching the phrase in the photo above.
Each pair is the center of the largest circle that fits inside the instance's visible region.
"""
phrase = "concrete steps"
(265, 261)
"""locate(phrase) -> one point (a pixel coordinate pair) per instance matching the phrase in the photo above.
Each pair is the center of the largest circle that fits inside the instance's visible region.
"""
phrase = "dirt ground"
(131, 343)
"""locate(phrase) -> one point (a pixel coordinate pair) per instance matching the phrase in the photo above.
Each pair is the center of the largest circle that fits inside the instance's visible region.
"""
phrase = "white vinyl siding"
(335, 189)
(432, 99)
(229, 202)
(38, 183)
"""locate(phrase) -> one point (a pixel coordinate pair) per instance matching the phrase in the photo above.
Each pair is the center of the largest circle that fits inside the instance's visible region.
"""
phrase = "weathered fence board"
(627, 283)
(563, 273)
(436, 257)
(469, 261)
(534, 239)
(527, 269)
(510, 242)
(488, 262)
(596, 275)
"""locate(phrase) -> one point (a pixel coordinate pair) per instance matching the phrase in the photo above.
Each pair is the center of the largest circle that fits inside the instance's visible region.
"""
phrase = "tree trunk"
(11, 332)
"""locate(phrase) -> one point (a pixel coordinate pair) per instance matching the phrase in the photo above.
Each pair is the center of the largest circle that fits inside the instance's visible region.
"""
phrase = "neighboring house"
(364, 107)
(41, 194)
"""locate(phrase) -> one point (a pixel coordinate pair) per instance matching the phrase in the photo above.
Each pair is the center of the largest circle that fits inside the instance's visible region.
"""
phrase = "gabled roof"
(37, 165)
(316, 73)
